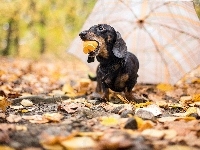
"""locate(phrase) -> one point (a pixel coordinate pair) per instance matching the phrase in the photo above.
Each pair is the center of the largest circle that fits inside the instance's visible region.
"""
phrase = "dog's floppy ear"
(119, 48)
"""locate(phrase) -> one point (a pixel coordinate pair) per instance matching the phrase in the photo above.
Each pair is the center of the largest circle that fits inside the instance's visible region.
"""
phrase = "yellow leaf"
(141, 105)
(139, 121)
(122, 98)
(24, 110)
(196, 97)
(143, 124)
(109, 121)
(190, 111)
(67, 88)
(146, 125)
(165, 87)
(197, 80)
(186, 118)
(6, 148)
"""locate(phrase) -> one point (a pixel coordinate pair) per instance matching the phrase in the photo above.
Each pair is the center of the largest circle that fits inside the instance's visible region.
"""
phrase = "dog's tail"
(92, 77)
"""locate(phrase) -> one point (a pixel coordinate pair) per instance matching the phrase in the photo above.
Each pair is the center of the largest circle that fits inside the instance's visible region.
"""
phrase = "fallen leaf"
(78, 143)
(2, 115)
(190, 111)
(69, 90)
(52, 147)
(115, 139)
(141, 105)
(70, 107)
(26, 103)
(36, 119)
(146, 125)
(153, 133)
(24, 110)
(109, 121)
(13, 118)
(185, 100)
(178, 147)
(170, 134)
(167, 119)
(4, 103)
(165, 87)
(84, 83)
(196, 97)
(93, 135)
(123, 99)
(21, 128)
(153, 108)
(6, 127)
(143, 124)
(57, 92)
(3, 147)
(55, 117)
(139, 121)
(16, 107)
(186, 118)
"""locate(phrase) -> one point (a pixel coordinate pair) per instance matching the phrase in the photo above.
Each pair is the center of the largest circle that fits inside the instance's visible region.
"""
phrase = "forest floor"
(48, 104)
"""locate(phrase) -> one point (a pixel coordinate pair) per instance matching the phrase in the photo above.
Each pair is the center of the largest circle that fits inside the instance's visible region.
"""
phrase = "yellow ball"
(89, 46)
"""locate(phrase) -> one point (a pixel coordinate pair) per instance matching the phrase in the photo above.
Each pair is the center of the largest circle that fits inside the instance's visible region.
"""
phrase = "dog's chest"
(115, 79)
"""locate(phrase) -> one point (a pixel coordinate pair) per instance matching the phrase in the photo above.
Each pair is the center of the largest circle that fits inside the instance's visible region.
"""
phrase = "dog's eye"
(100, 28)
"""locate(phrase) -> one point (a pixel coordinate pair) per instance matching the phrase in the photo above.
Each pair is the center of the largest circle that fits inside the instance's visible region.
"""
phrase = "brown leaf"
(4, 103)
(70, 107)
(55, 117)
(36, 119)
(153, 133)
(115, 140)
(13, 118)
(79, 143)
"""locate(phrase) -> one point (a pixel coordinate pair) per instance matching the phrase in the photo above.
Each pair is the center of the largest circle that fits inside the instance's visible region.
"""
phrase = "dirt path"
(49, 104)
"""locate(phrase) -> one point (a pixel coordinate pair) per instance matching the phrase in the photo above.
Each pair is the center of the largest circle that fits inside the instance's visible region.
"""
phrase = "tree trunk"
(42, 36)
(8, 38)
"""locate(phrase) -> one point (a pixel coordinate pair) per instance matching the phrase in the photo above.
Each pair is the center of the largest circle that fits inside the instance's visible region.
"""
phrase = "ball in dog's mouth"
(89, 46)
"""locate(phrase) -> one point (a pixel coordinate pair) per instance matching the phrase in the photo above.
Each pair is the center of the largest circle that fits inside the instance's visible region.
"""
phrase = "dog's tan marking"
(121, 80)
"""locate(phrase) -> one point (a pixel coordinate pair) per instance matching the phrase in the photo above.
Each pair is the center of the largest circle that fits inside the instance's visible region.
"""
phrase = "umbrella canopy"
(164, 35)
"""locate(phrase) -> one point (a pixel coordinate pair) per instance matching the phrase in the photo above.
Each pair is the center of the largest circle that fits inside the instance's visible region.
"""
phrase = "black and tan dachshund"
(117, 68)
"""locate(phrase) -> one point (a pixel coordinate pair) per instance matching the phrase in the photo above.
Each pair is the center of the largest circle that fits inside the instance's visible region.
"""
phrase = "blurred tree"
(197, 7)
(33, 27)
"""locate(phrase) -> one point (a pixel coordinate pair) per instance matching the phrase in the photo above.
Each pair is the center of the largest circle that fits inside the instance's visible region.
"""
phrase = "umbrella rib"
(157, 49)
(153, 10)
(175, 29)
(129, 8)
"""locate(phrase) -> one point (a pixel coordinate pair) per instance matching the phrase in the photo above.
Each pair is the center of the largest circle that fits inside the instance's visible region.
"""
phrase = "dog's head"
(110, 43)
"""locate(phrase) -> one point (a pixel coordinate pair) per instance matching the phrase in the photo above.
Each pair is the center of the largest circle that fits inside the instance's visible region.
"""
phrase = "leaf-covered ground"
(48, 104)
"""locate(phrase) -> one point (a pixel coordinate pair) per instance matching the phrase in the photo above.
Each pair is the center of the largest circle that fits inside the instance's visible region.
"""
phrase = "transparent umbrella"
(164, 35)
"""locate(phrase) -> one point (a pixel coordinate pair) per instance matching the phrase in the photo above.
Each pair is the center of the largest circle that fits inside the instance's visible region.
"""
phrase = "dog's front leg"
(105, 94)
(128, 94)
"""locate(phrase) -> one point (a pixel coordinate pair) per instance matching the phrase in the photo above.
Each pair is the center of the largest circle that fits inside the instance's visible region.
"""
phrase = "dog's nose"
(82, 34)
